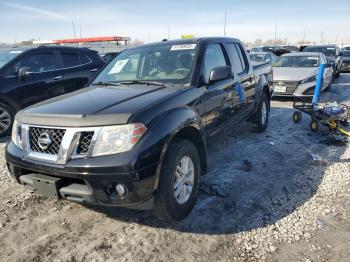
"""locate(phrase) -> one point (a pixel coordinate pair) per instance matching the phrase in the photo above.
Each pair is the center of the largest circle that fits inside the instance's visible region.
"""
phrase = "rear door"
(77, 68)
(244, 75)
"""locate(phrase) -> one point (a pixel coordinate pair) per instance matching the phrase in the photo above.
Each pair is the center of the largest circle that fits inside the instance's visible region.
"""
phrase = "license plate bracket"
(280, 89)
(47, 185)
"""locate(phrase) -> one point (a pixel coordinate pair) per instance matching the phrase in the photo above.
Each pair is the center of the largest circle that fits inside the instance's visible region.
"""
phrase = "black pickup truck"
(136, 136)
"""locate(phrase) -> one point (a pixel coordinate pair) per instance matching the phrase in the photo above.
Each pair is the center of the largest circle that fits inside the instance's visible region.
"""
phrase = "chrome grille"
(84, 143)
(56, 136)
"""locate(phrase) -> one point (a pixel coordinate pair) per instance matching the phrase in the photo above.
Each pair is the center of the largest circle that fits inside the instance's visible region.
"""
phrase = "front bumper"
(89, 180)
(297, 89)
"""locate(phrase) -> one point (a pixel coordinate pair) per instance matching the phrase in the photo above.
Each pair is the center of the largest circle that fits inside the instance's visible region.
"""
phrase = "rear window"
(256, 57)
(296, 61)
(327, 51)
(71, 58)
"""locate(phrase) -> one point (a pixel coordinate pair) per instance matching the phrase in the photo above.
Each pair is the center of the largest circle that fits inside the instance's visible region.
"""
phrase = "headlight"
(17, 134)
(117, 139)
(309, 79)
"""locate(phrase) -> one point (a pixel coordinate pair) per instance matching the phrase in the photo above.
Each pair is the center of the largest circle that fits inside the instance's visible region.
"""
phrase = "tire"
(337, 75)
(259, 122)
(297, 117)
(167, 206)
(6, 119)
(314, 126)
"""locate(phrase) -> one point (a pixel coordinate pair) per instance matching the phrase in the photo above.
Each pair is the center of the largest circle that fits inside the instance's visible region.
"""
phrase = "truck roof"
(189, 41)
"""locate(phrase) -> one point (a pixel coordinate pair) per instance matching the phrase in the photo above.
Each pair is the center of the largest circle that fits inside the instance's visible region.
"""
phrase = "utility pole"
(304, 36)
(225, 24)
(79, 31)
(75, 35)
(321, 37)
(275, 33)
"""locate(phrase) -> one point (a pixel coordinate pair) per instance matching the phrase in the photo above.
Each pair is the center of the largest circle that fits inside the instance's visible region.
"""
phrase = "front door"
(219, 97)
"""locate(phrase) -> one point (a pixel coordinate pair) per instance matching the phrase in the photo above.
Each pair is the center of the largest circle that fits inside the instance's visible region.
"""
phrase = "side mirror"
(220, 73)
(23, 72)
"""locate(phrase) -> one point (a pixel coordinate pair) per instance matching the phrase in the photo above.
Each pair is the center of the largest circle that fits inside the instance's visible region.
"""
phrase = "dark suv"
(28, 76)
(332, 52)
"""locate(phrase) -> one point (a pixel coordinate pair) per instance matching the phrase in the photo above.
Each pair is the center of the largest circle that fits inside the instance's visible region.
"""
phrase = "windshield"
(257, 57)
(296, 61)
(169, 63)
(327, 51)
(6, 56)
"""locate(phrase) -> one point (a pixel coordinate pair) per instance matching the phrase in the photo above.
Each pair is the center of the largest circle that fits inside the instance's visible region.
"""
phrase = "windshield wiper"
(105, 84)
(142, 82)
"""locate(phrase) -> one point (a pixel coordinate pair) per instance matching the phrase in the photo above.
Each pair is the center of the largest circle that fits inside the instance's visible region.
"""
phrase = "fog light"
(121, 190)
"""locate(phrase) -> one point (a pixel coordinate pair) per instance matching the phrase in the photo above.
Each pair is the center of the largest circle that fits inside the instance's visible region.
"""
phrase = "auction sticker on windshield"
(183, 47)
(118, 67)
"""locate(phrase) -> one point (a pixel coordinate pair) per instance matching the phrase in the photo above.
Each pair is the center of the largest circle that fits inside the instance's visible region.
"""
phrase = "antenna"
(75, 35)
(225, 24)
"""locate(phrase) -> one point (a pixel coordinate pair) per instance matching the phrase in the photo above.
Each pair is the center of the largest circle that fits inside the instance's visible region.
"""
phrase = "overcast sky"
(148, 20)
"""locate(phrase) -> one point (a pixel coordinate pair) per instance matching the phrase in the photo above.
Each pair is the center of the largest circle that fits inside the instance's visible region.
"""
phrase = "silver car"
(294, 74)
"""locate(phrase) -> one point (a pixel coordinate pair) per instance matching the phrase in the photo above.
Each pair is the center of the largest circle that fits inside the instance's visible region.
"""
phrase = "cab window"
(213, 57)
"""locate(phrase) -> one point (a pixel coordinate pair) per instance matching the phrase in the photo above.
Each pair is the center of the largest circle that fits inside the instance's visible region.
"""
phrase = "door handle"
(57, 78)
(93, 70)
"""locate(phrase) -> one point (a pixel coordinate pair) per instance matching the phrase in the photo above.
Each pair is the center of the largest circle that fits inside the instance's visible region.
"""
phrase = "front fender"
(167, 126)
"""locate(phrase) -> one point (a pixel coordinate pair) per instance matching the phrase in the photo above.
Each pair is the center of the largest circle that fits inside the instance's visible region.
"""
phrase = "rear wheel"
(297, 116)
(6, 119)
(179, 181)
(261, 117)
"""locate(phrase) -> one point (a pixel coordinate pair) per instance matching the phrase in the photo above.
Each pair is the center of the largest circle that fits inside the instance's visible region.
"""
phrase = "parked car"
(294, 74)
(31, 75)
(109, 56)
(263, 49)
(346, 48)
(345, 54)
(332, 52)
(262, 57)
(136, 137)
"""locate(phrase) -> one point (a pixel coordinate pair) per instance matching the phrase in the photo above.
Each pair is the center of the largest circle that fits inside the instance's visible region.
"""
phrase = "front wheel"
(337, 75)
(6, 119)
(179, 181)
(261, 117)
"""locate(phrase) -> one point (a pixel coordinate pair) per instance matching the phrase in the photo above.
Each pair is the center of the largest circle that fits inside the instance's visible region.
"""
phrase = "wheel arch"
(181, 123)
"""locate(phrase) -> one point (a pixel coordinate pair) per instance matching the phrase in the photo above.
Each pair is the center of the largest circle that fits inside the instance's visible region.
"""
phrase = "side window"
(267, 58)
(213, 57)
(37, 62)
(236, 60)
(71, 58)
(243, 57)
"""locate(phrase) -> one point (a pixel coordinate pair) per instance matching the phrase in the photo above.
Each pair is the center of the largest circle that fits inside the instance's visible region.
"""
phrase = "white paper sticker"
(183, 47)
(330, 48)
(312, 58)
(16, 52)
(118, 66)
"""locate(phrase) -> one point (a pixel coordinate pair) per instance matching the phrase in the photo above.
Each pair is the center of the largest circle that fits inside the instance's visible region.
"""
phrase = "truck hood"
(94, 106)
(292, 73)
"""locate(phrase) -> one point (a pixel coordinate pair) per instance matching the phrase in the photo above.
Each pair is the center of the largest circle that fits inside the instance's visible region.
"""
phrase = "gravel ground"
(262, 200)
